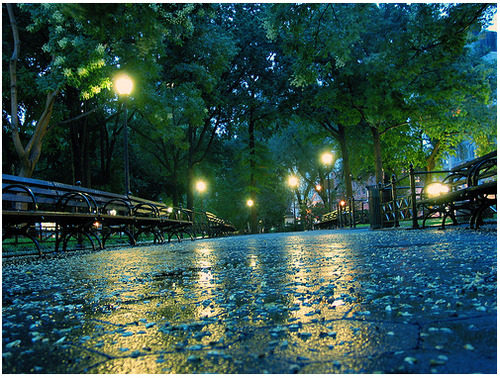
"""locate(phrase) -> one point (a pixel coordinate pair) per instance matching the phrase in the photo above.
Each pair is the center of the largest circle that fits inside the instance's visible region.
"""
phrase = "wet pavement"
(334, 301)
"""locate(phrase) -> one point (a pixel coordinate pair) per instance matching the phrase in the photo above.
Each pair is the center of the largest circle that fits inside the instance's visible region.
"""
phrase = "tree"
(375, 61)
(465, 110)
(78, 46)
(319, 38)
(299, 147)
(30, 153)
(259, 83)
(183, 109)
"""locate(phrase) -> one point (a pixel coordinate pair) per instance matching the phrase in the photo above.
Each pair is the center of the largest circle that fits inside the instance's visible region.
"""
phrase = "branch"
(393, 127)
(84, 115)
(212, 137)
(316, 33)
(204, 131)
(14, 123)
(143, 134)
(435, 151)
(469, 22)
(328, 127)
(41, 126)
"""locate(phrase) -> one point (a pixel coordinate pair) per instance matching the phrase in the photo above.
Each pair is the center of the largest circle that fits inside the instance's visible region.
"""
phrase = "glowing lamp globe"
(124, 85)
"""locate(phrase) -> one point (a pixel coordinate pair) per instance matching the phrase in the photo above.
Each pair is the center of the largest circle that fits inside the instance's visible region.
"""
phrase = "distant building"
(465, 151)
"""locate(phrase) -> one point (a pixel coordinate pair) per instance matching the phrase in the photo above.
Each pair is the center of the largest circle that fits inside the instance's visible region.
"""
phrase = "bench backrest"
(473, 172)
(20, 193)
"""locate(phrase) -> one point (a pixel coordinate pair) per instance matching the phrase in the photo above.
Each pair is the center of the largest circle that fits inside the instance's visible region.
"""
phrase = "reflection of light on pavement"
(253, 260)
(338, 302)
(203, 251)
(206, 312)
(320, 279)
(205, 282)
(205, 277)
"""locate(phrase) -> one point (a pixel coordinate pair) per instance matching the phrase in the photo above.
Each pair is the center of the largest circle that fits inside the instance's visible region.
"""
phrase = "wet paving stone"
(340, 301)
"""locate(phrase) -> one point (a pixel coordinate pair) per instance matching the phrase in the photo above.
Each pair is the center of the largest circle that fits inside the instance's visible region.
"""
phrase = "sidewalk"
(339, 301)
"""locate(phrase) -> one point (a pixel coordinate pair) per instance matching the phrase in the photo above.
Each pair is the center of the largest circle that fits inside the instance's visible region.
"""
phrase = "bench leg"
(477, 215)
(11, 232)
(111, 231)
(68, 235)
(157, 236)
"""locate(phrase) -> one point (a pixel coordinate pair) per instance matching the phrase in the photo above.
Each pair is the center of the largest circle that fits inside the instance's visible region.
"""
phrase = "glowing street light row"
(201, 187)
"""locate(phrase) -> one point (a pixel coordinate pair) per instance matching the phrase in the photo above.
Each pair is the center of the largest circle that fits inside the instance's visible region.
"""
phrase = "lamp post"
(341, 212)
(124, 87)
(327, 159)
(201, 186)
(250, 204)
(293, 181)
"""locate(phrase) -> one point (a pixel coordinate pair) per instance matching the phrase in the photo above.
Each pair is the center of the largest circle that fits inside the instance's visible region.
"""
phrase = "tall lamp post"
(293, 181)
(250, 204)
(327, 159)
(201, 186)
(124, 87)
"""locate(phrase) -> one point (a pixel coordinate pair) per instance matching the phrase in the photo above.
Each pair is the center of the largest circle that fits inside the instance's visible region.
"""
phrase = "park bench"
(77, 212)
(468, 190)
(218, 226)
(464, 192)
(158, 219)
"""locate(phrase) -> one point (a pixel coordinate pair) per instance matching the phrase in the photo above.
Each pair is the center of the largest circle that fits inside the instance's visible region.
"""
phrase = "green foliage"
(299, 145)
(78, 60)
(241, 93)
(393, 64)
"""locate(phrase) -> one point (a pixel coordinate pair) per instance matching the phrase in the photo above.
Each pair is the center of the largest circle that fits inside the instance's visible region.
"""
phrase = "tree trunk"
(253, 181)
(190, 186)
(302, 208)
(431, 160)
(175, 183)
(345, 161)
(190, 170)
(107, 147)
(377, 153)
(80, 140)
(29, 155)
(338, 131)
(34, 148)
(80, 149)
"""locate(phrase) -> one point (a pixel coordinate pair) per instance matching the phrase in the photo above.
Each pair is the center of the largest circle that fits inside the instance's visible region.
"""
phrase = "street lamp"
(124, 87)
(327, 159)
(341, 213)
(201, 186)
(293, 181)
(250, 202)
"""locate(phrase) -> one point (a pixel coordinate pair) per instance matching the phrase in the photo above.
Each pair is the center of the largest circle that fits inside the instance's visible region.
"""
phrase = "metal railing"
(346, 214)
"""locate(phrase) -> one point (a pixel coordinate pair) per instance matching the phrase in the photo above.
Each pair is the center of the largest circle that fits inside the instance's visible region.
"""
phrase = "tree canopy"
(240, 95)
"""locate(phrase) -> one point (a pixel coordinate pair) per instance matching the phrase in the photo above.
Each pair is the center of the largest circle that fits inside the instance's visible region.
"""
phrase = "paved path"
(313, 302)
